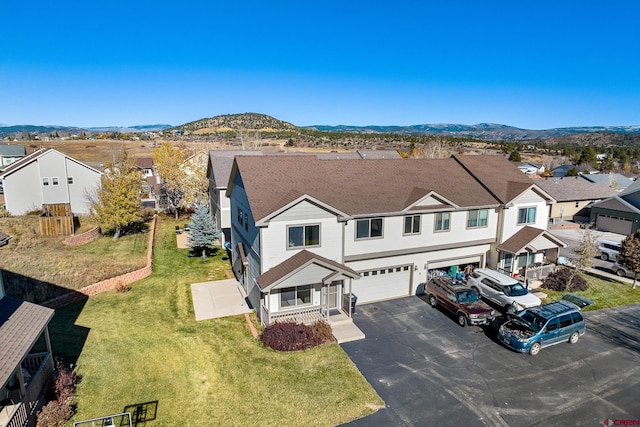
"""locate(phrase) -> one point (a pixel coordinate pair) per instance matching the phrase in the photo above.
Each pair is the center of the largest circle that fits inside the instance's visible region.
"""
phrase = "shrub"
(559, 281)
(289, 336)
(323, 330)
(59, 410)
(123, 288)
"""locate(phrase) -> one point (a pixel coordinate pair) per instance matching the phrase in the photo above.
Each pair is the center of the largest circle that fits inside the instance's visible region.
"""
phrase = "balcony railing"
(23, 411)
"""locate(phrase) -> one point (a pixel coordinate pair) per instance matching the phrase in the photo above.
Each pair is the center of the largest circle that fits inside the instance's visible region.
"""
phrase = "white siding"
(85, 181)
(528, 199)
(272, 301)
(275, 247)
(52, 165)
(23, 190)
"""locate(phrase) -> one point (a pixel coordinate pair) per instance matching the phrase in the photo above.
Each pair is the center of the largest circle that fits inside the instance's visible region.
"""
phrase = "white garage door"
(383, 283)
(614, 224)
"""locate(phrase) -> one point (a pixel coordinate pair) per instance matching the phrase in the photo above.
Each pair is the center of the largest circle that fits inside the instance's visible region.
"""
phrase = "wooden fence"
(57, 220)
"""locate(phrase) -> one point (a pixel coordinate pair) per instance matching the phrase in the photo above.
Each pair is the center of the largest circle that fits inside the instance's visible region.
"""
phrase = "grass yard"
(40, 267)
(605, 293)
(145, 346)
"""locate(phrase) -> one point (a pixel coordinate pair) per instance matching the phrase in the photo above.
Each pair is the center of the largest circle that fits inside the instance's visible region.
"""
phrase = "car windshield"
(468, 296)
(535, 321)
(515, 290)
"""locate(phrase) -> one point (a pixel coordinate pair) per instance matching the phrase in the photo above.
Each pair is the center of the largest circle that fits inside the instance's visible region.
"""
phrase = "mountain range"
(265, 123)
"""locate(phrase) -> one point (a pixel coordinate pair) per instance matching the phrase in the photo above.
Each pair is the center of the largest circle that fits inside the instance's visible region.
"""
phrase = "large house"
(47, 176)
(309, 233)
(573, 196)
(620, 213)
(26, 362)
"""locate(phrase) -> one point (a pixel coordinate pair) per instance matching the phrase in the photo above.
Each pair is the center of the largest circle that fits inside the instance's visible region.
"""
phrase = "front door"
(332, 298)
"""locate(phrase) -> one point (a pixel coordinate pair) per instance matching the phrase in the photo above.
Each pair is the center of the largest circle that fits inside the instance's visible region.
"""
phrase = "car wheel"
(535, 348)
(620, 272)
(574, 337)
(433, 301)
(462, 320)
(604, 257)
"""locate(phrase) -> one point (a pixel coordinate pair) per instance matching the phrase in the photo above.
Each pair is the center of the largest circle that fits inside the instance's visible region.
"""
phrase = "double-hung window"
(527, 215)
(442, 221)
(477, 218)
(45, 181)
(368, 228)
(303, 236)
(295, 296)
(412, 224)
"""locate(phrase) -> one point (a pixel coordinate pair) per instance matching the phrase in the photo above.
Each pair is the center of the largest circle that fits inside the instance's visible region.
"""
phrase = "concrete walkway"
(219, 298)
(346, 331)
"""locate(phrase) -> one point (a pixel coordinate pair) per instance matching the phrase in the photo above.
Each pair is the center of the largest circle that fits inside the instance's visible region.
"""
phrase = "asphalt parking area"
(430, 371)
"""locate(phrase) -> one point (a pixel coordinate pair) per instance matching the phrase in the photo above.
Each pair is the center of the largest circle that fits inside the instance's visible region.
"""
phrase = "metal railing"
(305, 315)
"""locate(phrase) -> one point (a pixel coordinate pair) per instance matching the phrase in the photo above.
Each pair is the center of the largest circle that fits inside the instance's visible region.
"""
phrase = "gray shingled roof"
(608, 178)
(12, 150)
(23, 161)
(496, 173)
(21, 323)
(221, 163)
(298, 261)
(570, 189)
(356, 187)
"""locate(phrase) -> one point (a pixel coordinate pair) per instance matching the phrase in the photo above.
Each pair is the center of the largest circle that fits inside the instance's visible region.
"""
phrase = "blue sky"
(535, 65)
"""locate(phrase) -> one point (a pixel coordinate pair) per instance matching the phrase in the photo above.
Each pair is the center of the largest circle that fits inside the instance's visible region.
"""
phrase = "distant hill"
(18, 129)
(237, 122)
(483, 131)
(130, 129)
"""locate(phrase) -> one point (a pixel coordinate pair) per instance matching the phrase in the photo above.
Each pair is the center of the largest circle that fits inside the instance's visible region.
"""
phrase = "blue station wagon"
(543, 326)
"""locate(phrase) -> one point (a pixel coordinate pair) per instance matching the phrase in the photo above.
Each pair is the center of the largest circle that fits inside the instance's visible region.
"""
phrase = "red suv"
(459, 299)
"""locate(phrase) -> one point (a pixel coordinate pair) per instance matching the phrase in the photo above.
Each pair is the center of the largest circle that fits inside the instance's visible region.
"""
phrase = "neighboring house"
(562, 170)
(152, 194)
(218, 171)
(10, 154)
(26, 361)
(308, 233)
(47, 176)
(531, 168)
(618, 214)
(573, 195)
(614, 180)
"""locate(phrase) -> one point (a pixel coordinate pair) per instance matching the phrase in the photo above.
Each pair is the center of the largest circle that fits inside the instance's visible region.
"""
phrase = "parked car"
(502, 290)
(608, 250)
(622, 270)
(460, 300)
(545, 325)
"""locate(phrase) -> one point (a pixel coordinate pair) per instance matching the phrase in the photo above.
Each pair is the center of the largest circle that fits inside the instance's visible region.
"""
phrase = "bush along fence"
(111, 283)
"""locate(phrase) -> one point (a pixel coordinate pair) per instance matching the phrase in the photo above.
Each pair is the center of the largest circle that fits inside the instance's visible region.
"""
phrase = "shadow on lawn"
(142, 412)
(67, 338)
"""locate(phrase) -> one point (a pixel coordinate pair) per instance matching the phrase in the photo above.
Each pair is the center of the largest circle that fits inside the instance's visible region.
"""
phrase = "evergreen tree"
(118, 206)
(202, 230)
(629, 254)
(515, 156)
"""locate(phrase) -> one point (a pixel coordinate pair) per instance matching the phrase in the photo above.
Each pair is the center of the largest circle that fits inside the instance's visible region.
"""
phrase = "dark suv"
(460, 300)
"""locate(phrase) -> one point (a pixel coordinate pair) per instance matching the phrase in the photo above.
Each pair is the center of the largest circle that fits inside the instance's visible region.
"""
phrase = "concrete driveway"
(430, 371)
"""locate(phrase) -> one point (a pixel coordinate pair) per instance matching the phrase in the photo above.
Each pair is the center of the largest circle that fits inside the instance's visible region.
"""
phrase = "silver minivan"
(608, 249)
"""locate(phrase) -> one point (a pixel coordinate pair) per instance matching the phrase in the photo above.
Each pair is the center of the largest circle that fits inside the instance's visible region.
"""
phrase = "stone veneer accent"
(108, 284)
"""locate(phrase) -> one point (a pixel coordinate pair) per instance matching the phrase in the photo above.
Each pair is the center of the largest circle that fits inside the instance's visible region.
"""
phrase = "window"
(577, 204)
(443, 221)
(368, 228)
(246, 221)
(240, 216)
(304, 236)
(70, 180)
(412, 224)
(526, 215)
(565, 320)
(477, 218)
(45, 181)
(295, 296)
(54, 181)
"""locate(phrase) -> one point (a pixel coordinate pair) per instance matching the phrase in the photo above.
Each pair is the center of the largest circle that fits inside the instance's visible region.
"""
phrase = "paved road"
(430, 371)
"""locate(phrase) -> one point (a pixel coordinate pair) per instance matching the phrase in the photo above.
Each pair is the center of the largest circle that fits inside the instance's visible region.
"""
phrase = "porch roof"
(21, 323)
(299, 261)
(530, 238)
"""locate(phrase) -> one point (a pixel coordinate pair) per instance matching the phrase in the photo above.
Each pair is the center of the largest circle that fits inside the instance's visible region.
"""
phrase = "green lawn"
(605, 293)
(145, 346)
